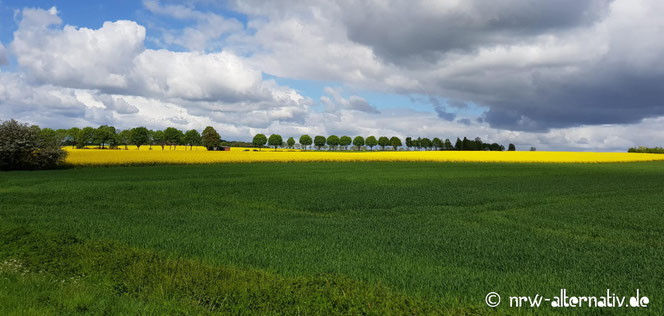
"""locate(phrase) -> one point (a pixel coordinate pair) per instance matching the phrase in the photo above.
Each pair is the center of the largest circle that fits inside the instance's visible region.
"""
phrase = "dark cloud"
(400, 31)
(443, 114)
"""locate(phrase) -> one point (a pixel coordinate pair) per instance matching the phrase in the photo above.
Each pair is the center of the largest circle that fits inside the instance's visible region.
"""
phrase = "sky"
(580, 75)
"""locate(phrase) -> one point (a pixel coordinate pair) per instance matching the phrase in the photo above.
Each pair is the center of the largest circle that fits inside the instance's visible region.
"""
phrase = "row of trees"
(646, 150)
(108, 136)
(334, 142)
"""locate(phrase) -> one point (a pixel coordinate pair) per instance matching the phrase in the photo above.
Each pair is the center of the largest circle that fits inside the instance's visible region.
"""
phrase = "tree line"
(334, 142)
(646, 150)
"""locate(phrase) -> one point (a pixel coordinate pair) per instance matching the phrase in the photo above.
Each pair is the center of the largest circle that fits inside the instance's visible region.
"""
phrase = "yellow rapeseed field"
(239, 155)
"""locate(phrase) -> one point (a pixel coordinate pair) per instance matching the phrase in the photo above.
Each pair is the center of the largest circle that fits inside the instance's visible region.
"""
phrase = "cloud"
(112, 60)
(353, 102)
(3, 55)
(535, 65)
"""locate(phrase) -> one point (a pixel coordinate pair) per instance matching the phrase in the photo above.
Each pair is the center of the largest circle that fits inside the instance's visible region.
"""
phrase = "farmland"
(327, 237)
(182, 155)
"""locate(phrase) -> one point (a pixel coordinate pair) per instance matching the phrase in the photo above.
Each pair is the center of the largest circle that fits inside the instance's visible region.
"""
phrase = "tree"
(151, 138)
(437, 143)
(466, 144)
(345, 141)
(72, 135)
(319, 141)
(358, 141)
(210, 139)
(259, 141)
(140, 136)
(85, 137)
(383, 142)
(192, 138)
(426, 143)
(511, 147)
(448, 144)
(458, 145)
(395, 142)
(371, 142)
(333, 141)
(417, 143)
(305, 140)
(159, 138)
(124, 137)
(290, 142)
(275, 140)
(533, 149)
(409, 142)
(24, 146)
(103, 135)
(172, 136)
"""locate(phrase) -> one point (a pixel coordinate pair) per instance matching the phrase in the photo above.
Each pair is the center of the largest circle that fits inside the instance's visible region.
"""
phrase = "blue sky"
(572, 75)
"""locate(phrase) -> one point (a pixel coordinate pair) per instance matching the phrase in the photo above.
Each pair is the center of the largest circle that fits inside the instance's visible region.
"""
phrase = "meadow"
(182, 155)
(328, 237)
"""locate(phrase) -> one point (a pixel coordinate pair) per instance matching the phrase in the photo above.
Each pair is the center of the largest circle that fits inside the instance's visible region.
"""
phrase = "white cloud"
(3, 55)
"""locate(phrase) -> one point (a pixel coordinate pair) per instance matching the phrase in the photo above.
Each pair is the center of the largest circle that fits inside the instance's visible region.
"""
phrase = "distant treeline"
(646, 150)
(334, 142)
(106, 136)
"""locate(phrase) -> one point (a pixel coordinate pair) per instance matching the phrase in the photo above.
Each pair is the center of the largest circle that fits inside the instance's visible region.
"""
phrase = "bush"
(23, 147)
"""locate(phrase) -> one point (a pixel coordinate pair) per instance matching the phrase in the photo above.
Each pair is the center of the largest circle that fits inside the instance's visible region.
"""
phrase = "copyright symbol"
(492, 299)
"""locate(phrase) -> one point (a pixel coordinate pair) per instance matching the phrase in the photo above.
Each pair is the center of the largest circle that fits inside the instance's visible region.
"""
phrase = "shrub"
(23, 147)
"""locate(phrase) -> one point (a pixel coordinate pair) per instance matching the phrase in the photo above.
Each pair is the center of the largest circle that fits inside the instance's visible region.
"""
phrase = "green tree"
(319, 141)
(124, 137)
(159, 138)
(103, 135)
(448, 144)
(85, 137)
(426, 143)
(511, 147)
(23, 146)
(290, 142)
(275, 140)
(417, 143)
(192, 138)
(140, 136)
(72, 135)
(409, 142)
(210, 139)
(333, 141)
(371, 142)
(458, 145)
(358, 141)
(172, 136)
(395, 142)
(305, 140)
(383, 142)
(259, 141)
(437, 143)
(345, 141)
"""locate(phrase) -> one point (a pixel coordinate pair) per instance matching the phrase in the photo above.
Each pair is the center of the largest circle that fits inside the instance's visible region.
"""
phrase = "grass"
(399, 237)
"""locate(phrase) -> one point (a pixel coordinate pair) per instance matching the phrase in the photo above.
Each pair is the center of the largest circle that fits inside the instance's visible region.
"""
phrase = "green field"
(320, 238)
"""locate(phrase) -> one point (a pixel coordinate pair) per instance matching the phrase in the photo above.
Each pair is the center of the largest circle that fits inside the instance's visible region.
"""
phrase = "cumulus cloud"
(535, 65)
(112, 60)
(338, 102)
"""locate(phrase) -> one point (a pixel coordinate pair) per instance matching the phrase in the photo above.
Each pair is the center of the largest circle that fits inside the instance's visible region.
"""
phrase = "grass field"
(320, 238)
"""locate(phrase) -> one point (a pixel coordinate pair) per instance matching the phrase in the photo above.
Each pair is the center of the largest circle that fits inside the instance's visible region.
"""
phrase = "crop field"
(199, 155)
(328, 237)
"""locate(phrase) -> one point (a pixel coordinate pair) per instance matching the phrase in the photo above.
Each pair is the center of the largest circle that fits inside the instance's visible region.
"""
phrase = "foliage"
(305, 140)
(124, 138)
(358, 141)
(395, 142)
(141, 136)
(275, 140)
(383, 142)
(192, 138)
(290, 142)
(210, 139)
(160, 139)
(319, 141)
(23, 146)
(332, 141)
(259, 140)
(511, 147)
(646, 150)
(371, 142)
(345, 141)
